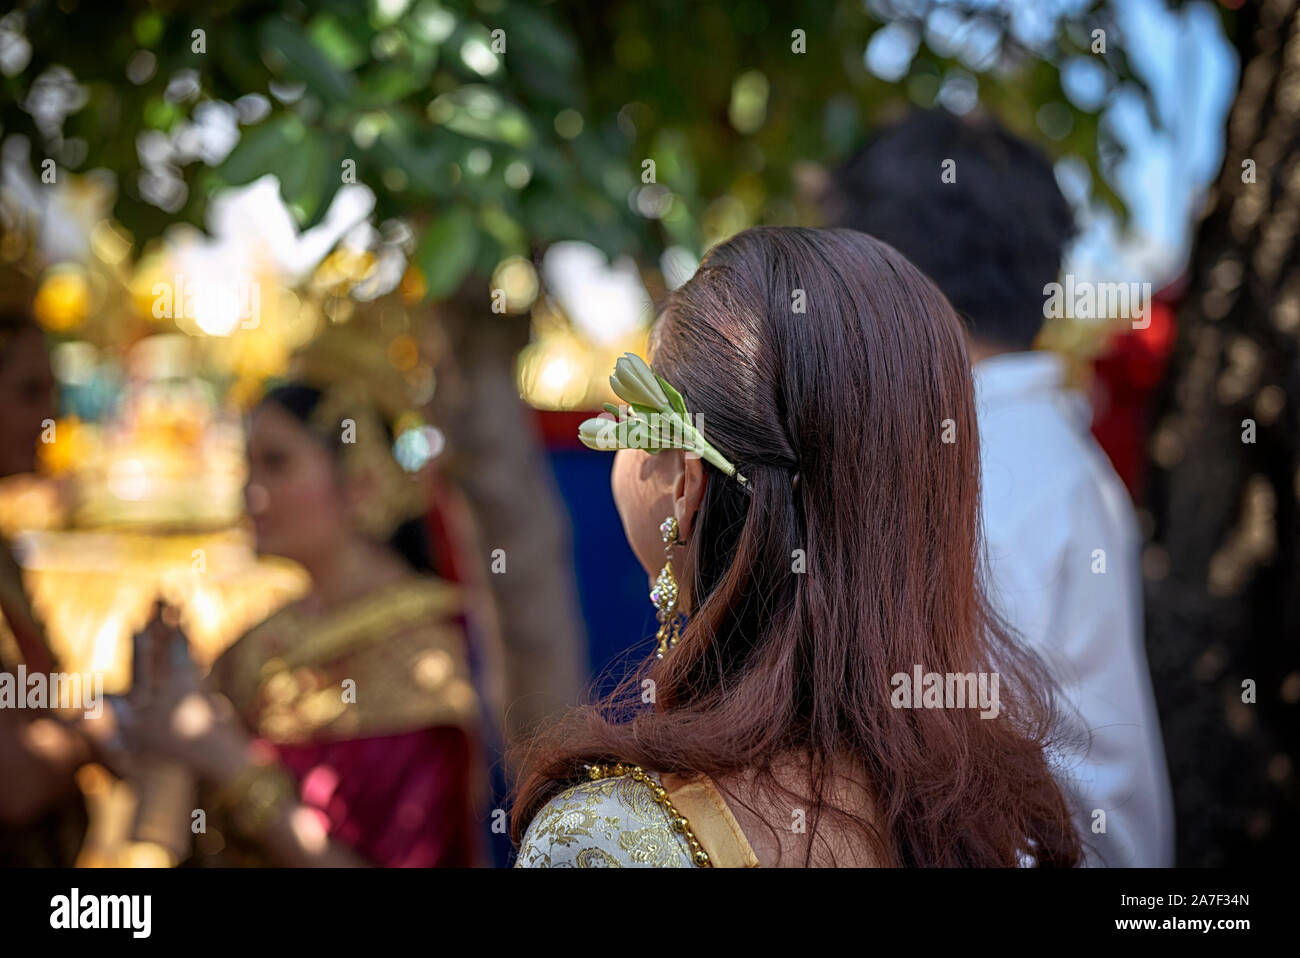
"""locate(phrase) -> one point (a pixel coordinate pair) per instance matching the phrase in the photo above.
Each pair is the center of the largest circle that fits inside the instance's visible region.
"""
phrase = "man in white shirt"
(1059, 528)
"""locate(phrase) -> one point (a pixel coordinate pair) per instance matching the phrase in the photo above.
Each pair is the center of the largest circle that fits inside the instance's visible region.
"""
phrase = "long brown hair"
(826, 354)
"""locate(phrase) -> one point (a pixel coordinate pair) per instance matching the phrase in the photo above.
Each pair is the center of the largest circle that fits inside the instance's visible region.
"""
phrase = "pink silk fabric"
(399, 801)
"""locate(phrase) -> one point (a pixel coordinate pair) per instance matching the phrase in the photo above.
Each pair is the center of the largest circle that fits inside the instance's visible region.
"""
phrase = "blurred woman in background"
(348, 728)
(42, 813)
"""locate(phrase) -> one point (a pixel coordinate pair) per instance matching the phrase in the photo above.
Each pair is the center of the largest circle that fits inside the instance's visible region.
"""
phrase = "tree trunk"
(1223, 562)
(497, 458)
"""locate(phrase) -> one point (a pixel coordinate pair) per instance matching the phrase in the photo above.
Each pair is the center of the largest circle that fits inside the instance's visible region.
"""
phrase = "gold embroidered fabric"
(610, 823)
(390, 662)
(698, 800)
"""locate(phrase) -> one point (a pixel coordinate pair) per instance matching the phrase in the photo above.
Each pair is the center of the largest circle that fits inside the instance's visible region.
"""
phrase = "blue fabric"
(613, 589)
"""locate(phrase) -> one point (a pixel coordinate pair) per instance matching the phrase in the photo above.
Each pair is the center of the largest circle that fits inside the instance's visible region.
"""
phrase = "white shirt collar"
(1010, 376)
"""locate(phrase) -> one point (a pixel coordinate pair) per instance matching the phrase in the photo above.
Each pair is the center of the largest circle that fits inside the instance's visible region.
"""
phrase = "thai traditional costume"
(372, 709)
(629, 818)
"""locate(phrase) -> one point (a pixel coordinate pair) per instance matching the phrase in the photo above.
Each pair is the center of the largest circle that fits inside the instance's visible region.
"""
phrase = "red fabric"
(1128, 373)
(399, 801)
(559, 430)
(446, 551)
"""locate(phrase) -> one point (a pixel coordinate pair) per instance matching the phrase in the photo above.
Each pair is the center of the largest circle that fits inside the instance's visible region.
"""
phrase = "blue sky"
(1191, 70)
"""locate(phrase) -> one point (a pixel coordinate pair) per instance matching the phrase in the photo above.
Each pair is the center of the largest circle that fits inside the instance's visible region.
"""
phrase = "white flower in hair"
(655, 418)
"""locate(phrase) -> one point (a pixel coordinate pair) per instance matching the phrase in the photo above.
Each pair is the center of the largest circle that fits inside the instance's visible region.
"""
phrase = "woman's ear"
(688, 493)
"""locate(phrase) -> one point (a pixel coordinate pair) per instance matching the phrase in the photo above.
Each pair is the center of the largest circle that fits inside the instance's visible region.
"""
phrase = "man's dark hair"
(991, 240)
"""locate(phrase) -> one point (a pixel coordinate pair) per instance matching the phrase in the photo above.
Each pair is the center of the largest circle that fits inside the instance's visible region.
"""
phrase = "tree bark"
(1223, 559)
(496, 457)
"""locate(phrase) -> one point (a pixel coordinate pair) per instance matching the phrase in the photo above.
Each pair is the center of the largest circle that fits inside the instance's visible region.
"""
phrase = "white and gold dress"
(625, 817)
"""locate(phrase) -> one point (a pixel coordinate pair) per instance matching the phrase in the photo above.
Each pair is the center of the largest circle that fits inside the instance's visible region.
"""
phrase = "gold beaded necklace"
(660, 794)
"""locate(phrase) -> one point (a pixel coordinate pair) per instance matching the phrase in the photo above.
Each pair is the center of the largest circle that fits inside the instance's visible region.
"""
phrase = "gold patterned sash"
(393, 661)
(700, 803)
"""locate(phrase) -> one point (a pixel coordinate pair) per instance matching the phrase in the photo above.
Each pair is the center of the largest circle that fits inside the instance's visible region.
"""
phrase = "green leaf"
(260, 150)
(447, 251)
(298, 58)
(148, 29)
(480, 112)
(408, 145)
(294, 171)
(159, 114)
(503, 228)
(336, 43)
(674, 397)
(387, 83)
(310, 176)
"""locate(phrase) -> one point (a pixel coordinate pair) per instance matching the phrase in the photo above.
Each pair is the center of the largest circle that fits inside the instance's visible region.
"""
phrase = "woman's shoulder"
(621, 821)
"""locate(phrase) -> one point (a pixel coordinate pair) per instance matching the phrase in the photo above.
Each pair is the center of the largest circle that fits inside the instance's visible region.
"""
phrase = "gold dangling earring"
(664, 594)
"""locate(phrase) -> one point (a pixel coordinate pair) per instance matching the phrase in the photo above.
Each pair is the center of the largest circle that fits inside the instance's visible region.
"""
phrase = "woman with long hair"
(818, 527)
